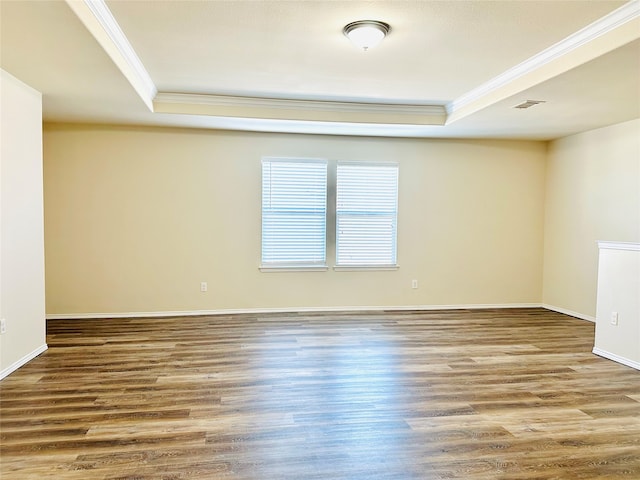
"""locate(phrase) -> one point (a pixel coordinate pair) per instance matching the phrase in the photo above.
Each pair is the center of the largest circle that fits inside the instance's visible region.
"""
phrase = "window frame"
(367, 266)
(274, 266)
(331, 218)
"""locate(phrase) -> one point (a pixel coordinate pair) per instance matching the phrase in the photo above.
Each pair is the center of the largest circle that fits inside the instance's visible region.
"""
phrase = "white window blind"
(366, 214)
(294, 208)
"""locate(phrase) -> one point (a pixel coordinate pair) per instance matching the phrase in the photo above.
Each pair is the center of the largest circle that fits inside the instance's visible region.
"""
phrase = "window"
(366, 215)
(294, 212)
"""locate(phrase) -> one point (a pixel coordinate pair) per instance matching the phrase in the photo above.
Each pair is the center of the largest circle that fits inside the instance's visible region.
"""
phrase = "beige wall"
(593, 193)
(136, 218)
(22, 302)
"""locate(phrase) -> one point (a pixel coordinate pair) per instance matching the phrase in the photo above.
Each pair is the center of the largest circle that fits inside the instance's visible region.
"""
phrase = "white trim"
(616, 358)
(234, 311)
(603, 26)
(293, 104)
(276, 159)
(355, 268)
(604, 245)
(98, 19)
(23, 361)
(292, 268)
(571, 313)
(370, 163)
(300, 110)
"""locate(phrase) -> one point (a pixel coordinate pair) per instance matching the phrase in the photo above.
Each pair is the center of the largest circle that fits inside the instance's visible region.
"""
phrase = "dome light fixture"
(366, 34)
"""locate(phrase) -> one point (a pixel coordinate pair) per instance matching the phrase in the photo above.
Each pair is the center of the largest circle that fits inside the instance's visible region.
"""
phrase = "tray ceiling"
(447, 69)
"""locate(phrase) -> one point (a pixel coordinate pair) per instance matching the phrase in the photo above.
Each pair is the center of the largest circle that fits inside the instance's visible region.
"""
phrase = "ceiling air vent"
(528, 104)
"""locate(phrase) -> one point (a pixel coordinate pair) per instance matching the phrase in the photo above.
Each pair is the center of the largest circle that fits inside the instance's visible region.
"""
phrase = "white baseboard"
(233, 311)
(616, 358)
(24, 360)
(565, 311)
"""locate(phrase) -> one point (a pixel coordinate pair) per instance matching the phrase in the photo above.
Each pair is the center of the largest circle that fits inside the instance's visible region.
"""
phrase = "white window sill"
(292, 268)
(354, 268)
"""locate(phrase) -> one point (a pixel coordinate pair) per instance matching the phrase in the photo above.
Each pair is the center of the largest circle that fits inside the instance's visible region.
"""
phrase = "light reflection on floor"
(331, 389)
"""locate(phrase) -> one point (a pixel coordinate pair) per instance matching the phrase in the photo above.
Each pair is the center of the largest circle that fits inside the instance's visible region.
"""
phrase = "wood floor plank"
(476, 395)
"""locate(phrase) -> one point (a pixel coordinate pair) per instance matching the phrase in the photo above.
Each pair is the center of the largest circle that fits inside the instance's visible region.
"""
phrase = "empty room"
(291, 240)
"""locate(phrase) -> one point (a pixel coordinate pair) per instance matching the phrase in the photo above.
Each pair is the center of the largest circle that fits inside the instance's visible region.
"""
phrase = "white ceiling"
(447, 68)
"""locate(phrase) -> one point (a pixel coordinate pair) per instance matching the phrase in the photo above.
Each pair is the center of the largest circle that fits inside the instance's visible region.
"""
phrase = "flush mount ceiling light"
(366, 34)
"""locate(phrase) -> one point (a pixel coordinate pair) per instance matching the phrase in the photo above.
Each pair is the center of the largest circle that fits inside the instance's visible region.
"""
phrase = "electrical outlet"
(203, 286)
(3, 326)
(414, 283)
(614, 318)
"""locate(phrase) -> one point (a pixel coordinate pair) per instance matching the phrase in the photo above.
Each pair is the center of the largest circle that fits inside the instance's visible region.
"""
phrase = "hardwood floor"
(487, 394)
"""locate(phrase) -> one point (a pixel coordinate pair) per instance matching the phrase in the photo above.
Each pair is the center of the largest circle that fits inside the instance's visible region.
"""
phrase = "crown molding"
(298, 110)
(606, 245)
(602, 36)
(98, 19)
